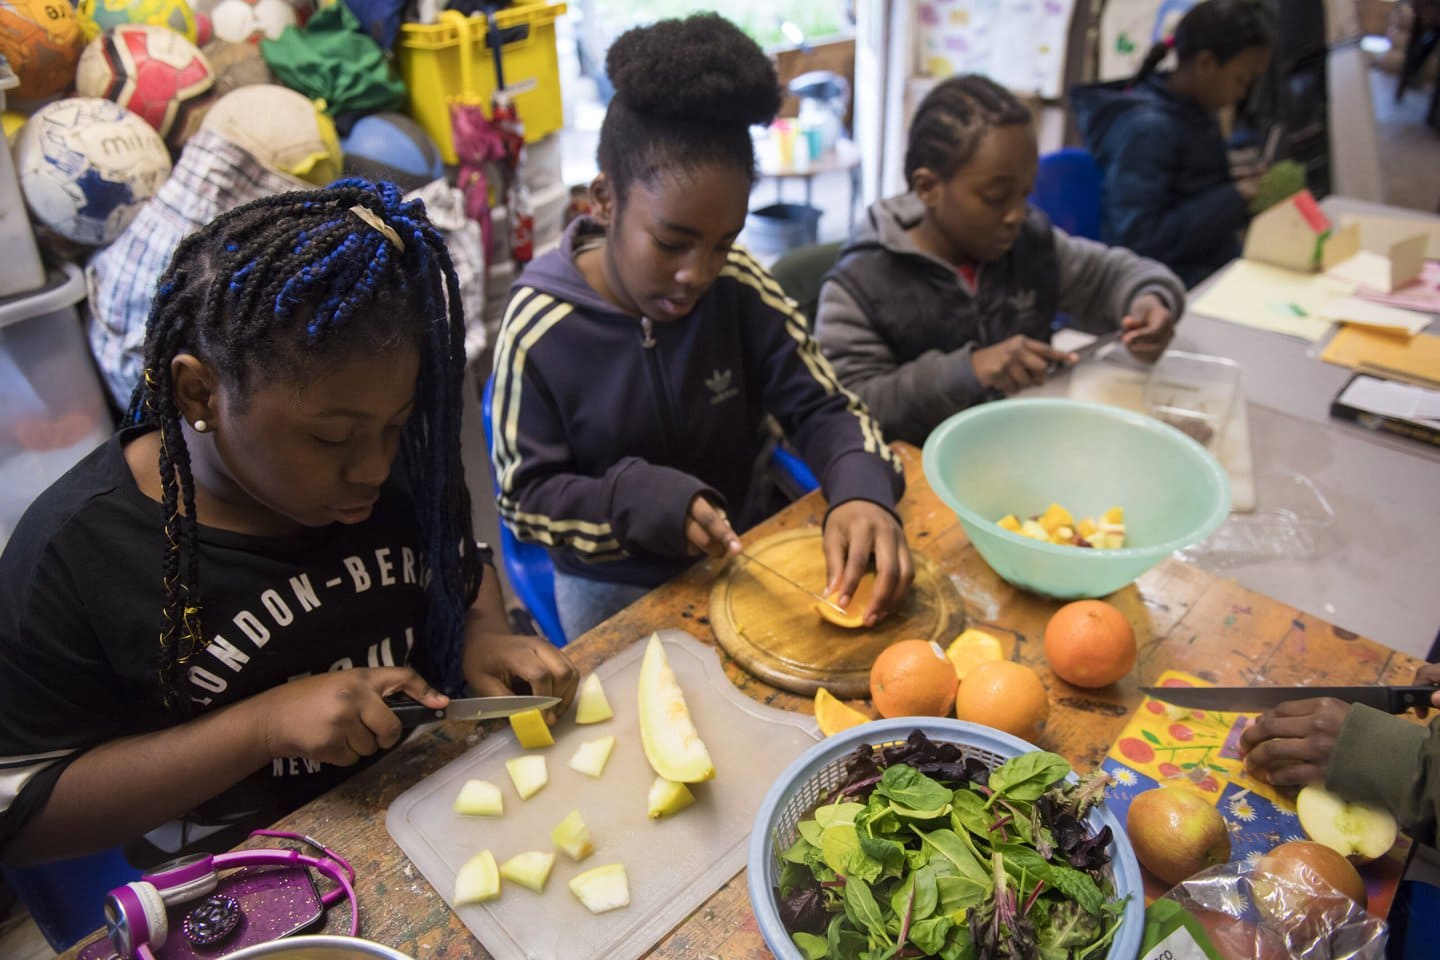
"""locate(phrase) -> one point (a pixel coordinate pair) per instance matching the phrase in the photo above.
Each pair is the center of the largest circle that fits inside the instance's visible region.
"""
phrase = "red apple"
(1176, 833)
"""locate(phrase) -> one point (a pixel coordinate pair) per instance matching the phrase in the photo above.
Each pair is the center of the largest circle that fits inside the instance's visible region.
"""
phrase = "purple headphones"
(135, 914)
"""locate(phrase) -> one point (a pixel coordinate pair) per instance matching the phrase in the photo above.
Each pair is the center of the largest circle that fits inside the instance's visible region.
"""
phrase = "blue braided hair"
(276, 291)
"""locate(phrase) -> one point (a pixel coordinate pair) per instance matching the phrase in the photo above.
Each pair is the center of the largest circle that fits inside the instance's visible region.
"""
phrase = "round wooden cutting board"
(773, 631)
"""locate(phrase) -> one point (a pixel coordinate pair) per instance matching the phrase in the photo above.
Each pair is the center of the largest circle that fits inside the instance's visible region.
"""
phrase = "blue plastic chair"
(528, 565)
(66, 897)
(1067, 188)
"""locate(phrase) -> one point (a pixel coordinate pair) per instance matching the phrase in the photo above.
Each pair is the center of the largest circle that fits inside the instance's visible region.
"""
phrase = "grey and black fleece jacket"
(899, 325)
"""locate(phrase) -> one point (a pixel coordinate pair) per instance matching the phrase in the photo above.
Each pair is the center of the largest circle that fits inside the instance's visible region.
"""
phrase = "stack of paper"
(1270, 298)
(1377, 316)
(1416, 358)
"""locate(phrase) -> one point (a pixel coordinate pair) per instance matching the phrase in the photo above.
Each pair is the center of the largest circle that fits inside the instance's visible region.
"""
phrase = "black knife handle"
(1407, 698)
(412, 712)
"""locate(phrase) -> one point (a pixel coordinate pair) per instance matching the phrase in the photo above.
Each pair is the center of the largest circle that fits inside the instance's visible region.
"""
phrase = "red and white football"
(152, 72)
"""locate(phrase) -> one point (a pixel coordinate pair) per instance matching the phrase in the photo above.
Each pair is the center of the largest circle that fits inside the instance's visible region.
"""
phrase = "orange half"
(834, 714)
(854, 615)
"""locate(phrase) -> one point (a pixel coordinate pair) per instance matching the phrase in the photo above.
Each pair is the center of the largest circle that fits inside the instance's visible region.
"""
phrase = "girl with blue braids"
(290, 488)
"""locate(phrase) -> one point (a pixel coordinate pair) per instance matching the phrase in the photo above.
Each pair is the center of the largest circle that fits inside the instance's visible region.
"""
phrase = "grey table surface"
(1374, 566)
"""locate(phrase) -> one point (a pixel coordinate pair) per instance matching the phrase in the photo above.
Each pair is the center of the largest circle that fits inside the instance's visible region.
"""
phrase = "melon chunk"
(602, 888)
(531, 729)
(668, 797)
(573, 836)
(530, 869)
(592, 706)
(592, 755)
(672, 744)
(477, 880)
(480, 798)
(528, 773)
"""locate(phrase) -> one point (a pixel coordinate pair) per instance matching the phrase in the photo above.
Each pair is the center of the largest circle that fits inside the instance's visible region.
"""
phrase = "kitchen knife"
(413, 713)
(1086, 352)
(814, 596)
(1251, 699)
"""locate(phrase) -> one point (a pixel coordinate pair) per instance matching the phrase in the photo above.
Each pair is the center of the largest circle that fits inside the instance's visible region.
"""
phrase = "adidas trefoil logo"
(719, 384)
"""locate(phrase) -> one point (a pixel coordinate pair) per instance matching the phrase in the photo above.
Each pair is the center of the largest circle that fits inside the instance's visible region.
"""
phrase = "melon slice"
(528, 773)
(480, 798)
(530, 869)
(602, 888)
(672, 744)
(573, 836)
(477, 880)
(592, 755)
(531, 729)
(592, 706)
(668, 797)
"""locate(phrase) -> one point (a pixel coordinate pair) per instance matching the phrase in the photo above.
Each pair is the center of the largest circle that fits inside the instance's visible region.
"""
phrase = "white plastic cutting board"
(1122, 385)
(674, 864)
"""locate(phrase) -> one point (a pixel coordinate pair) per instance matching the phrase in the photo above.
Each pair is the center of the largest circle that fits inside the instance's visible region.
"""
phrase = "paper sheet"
(1269, 298)
(1367, 314)
(1389, 399)
(1362, 348)
(1422, 295)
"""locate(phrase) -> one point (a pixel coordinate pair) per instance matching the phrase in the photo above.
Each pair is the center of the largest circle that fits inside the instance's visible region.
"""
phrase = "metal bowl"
(320, 947)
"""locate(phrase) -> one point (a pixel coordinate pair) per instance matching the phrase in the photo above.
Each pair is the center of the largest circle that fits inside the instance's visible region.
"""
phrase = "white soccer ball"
(241, 21)
(87, 165)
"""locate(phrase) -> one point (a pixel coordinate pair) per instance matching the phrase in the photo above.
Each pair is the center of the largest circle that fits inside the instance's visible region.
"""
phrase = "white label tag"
(1178, 946)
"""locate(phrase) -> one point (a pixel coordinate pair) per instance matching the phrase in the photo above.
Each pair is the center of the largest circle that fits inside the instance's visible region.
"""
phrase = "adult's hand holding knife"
(1291, 743)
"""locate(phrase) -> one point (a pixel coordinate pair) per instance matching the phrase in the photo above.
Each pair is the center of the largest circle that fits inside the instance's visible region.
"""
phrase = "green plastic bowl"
(1019, 456)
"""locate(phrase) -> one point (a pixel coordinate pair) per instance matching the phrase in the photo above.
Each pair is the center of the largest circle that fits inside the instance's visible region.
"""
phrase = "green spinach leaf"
(1028, 776)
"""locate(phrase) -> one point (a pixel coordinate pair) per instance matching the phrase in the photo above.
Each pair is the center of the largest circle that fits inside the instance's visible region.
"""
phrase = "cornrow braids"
(1224, 28)
(278, 290)
(686, 93)
(952, 120)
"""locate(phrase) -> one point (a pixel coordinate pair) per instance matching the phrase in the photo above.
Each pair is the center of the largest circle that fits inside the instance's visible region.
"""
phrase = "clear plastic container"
(1193, 392)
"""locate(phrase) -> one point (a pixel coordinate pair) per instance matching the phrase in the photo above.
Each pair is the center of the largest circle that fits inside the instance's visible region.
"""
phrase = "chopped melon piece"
(477, 880)
(573, 836)
(531, 729)
(602, 888)
(1009, 522)
(528, 773)
(668, 797)
(530, 869)
(1062, 535)
(1054, 517)
(480, 798)
(672, 744)
(1114, 515)
(1034, 531)
(591, 757)
(1086, 528)
(592, 706)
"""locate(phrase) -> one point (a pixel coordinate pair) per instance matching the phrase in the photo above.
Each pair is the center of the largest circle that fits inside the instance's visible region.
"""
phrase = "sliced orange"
(854, 616)
(972, 647)
(834, 714)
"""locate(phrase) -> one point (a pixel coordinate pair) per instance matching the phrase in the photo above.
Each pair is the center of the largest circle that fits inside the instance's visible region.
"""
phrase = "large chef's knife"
(413, 713)
(1249, 699)
(776, 573)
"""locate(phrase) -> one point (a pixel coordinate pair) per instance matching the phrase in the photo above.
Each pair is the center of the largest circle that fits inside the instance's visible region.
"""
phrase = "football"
(281, 128)
(152, 72)
(98, 16)
(87, 165)
(42, 40)
(250, 21)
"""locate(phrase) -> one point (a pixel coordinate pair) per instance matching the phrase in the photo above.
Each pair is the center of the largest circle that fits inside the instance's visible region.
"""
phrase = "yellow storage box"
(450, 62)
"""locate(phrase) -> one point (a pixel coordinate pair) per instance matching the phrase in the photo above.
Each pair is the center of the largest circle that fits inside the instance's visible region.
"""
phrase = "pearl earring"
(201, 426)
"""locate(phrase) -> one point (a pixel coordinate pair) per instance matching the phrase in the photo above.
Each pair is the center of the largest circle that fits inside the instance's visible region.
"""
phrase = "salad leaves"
(923, 852)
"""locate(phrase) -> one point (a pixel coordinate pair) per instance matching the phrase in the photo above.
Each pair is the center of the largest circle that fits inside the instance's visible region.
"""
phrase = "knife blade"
(1086, 352)
(1250, 699)
(776, 573)
(413, 713)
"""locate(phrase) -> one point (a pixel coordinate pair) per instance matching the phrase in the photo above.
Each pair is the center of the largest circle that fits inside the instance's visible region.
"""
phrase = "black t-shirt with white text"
(80, 615)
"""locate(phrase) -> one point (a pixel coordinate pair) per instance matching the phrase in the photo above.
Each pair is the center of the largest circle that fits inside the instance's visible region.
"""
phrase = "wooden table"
(1184, 618)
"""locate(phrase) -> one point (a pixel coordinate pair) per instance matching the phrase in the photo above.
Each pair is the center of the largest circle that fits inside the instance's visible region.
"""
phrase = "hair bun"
(701, 69)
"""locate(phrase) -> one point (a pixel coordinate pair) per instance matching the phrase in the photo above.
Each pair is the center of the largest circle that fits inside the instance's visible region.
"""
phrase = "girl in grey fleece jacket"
(946, 296)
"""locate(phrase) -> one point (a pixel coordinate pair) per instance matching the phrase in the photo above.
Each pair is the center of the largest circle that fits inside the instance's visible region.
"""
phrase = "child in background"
(947, 295)
(635, 362)
(298, 348)
(1168, 189)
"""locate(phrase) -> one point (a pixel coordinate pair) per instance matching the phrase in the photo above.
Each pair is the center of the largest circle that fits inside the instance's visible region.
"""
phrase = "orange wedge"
(854, 615)
(835, 715)
(972, 647)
